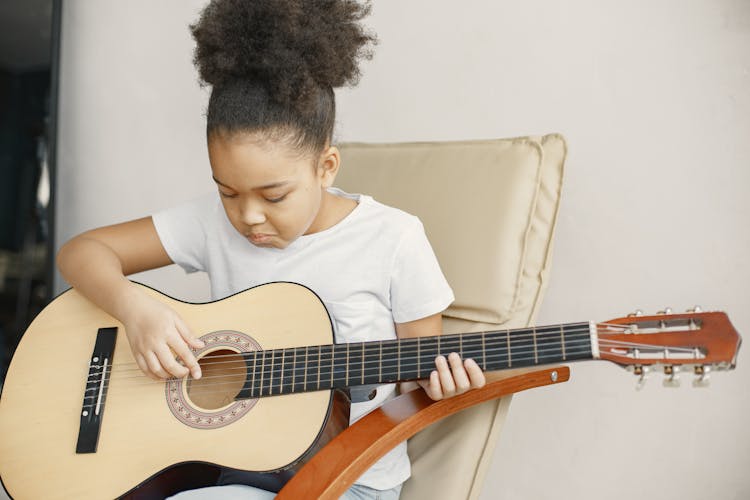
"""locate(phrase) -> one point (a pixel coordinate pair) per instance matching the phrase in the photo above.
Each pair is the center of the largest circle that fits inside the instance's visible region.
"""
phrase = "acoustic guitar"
(78, 419)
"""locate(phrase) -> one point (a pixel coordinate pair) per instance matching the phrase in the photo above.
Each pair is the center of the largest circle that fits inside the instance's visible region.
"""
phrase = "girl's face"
(272, 195)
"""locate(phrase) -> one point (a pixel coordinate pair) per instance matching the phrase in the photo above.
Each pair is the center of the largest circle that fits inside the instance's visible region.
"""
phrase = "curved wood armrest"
(335, 468)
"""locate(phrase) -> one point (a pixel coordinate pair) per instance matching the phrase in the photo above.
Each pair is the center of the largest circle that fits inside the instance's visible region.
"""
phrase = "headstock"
(695, 341)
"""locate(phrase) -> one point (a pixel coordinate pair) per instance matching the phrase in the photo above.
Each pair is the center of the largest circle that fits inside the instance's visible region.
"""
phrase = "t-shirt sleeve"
(183, 232)
(418, 286)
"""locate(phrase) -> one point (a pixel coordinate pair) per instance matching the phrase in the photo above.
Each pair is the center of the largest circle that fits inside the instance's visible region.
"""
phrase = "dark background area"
(29, 41)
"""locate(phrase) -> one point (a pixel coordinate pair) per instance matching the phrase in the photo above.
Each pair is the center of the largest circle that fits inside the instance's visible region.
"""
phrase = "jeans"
(242, 492)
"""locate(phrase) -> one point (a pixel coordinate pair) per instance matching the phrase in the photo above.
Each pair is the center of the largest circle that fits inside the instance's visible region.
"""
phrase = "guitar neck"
(312, 368)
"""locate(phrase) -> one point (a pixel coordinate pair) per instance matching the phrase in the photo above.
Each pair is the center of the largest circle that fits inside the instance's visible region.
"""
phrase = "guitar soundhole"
(223, 376)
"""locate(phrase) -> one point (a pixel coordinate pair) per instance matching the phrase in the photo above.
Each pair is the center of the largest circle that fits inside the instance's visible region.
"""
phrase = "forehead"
(248, 162)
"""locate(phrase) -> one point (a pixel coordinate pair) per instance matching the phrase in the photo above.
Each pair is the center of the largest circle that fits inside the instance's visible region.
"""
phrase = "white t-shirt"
(373, 268)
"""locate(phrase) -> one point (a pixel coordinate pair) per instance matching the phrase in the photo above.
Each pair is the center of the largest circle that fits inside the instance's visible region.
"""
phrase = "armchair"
(489, 209)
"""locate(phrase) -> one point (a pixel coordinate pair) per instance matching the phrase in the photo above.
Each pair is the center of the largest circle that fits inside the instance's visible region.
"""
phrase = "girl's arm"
(96, 263)
(452, 376)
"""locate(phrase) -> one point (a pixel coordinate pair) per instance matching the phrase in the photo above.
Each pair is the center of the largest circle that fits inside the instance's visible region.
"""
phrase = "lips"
(257, 238)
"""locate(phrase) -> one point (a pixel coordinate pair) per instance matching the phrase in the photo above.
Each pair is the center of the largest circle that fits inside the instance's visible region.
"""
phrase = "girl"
(273, 67)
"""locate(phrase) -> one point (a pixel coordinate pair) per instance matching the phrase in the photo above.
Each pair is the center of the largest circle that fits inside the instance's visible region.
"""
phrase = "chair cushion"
(497, 258)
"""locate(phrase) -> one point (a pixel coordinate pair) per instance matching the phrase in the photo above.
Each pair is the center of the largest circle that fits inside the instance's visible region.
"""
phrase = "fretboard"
(313, 368)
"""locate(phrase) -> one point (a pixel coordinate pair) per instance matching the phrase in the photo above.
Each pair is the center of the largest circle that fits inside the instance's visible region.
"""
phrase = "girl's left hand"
(452, 377)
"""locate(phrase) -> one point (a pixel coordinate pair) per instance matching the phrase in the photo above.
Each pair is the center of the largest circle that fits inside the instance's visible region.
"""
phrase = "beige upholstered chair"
(489, 209)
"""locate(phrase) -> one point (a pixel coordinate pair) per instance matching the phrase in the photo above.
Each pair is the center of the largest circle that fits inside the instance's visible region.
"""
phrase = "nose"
(251, 213)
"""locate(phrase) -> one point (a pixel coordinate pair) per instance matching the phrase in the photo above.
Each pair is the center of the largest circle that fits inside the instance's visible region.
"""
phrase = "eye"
(276, 200)
(227, 195)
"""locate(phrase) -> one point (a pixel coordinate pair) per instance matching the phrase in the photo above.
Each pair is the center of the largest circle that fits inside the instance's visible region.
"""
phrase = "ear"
(328, 166)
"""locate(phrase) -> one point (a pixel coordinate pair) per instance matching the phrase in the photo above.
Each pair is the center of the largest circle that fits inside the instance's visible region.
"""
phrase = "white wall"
(654, 99)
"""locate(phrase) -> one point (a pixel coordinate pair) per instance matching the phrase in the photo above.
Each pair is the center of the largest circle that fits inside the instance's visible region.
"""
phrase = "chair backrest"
(489, 209)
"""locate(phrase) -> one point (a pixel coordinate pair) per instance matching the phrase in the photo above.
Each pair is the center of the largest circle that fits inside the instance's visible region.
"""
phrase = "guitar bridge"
(95, 395)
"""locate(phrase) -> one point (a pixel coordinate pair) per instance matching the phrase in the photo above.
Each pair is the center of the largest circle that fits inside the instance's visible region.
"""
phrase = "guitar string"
(540, 353)
(405, 343)
(144, 381)
(554, 331)
(387, 348)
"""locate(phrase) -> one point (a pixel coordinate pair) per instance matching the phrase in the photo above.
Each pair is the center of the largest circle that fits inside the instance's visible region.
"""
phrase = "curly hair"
(273, 65)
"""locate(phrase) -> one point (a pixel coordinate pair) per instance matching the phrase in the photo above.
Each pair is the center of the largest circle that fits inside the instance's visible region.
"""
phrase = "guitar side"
(141, 434)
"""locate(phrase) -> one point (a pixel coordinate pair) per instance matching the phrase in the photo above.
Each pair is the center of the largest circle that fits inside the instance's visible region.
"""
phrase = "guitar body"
(172, 429)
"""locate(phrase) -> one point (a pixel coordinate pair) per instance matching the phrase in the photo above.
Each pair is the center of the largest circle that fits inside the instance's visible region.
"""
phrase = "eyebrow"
(267, 186)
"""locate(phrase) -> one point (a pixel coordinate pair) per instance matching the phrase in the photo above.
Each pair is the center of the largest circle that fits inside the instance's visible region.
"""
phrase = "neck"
(312, 368)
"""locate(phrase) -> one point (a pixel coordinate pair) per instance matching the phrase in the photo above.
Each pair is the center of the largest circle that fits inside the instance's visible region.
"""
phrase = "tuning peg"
(642, 373)
(666, 310)
(673, 377)
(637, 312)
(695, 309)
(702, 376)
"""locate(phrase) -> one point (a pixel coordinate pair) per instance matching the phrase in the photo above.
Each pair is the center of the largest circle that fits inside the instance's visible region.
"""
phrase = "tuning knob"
(695, 309)
(672, 376)
(702, 373)
(637, 312)
(666, 310)
(642, 373)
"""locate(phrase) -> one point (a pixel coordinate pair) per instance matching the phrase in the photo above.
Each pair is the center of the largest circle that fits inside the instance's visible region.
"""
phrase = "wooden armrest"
(335, 468)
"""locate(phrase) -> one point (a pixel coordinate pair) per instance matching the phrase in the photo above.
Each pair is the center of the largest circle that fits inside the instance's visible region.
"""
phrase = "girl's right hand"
(156, 334)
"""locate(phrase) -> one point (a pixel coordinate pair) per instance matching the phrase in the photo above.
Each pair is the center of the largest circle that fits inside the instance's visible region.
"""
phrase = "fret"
(312, 364)
(389, 360)
(281, 372)
(497, 356)
(562, 341)
(428, 353)
(347, 366)
(536, 352)
(510, 355)
(371, 362)
(409, 356)
(380, 360)
(578, 341)
(299, 373)
(550, 348)
(306, 366)
(398, 360)
(419, 356)
(326, 367)
(270, 373)
(320, 363)
(363, 363)
(339, 366)
(449, 344)
(472, 347)
(294, 370)
(523, 347)
(355, 364)
(276, 369)
(262, 368)
(287, 370)
(484, 353)
(252, 382)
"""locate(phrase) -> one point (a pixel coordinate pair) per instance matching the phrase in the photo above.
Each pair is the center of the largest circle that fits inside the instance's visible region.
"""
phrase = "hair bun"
(293, 48)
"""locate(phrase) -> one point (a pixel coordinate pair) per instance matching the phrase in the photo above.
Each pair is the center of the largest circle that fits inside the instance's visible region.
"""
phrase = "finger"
(432, 387)
(187, 334)
(141, 362)
(155, 366)
(476, 375)
(169, 363)
(460, 378)
(447, 384)
(183, 352)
